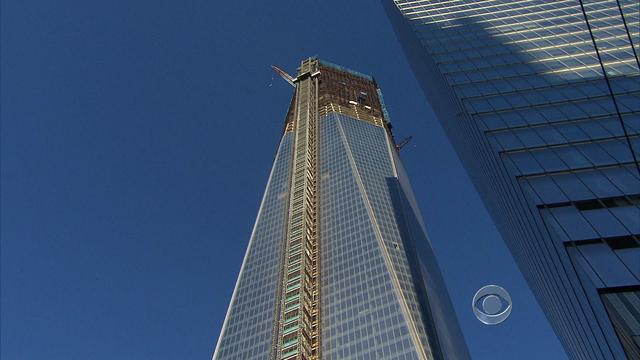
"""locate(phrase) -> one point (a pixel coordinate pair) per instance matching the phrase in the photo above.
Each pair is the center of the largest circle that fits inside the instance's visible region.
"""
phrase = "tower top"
(341, 90)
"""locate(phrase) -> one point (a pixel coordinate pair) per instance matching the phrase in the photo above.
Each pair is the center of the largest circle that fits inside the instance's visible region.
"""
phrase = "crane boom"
(284, 75)
(403, 143)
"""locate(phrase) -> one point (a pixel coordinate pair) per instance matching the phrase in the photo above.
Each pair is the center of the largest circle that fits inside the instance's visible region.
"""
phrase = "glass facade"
(247, 330)
(541, 100)
(374, 265)
(367, 285)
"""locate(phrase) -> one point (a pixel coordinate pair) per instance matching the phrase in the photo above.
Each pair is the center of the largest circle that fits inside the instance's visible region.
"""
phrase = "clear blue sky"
(136, 141)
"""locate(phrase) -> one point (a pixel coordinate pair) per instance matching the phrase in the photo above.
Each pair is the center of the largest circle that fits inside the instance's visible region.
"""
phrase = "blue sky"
(136, 141)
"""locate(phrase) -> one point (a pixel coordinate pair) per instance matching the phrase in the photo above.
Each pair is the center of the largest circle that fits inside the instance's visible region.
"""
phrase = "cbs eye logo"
(491, 304)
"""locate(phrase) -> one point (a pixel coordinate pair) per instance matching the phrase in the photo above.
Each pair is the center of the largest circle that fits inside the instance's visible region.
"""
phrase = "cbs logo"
(491, 304)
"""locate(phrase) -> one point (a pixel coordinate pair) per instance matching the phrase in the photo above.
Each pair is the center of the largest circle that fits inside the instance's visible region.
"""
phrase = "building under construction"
(338, 265)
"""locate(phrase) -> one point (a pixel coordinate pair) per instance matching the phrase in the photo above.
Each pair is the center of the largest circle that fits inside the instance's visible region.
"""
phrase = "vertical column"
(297, 328)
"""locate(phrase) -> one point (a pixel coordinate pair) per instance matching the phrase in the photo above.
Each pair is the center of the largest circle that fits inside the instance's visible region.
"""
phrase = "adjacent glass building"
(541, 100)
(339, 265)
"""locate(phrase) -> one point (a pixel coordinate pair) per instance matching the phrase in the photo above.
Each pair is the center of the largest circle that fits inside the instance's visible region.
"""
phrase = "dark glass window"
(533, 117)
(605, 223)
(572, 157)
(596, 154)
(573, 187)
(556, 231)
(526, 163)
(513, 118)
(508, 141)
(573, 223)
(550, 135)
(599, 184)
(530, 193)
(594, 130)
(607, 265)
(549, 160)
(547, 189)
(530, 138)
(618, 149)
(630, 217)
(613, 126)
(572, 132)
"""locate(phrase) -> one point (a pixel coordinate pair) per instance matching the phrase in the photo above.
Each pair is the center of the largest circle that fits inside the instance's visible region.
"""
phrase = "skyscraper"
(541, 100)
(338, 265)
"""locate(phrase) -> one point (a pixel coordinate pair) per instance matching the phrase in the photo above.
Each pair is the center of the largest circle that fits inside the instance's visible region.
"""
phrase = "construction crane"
(284, 75)
(404, 142)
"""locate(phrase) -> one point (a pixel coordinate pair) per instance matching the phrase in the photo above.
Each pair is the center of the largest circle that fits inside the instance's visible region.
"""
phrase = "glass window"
(498, 102)
(593, 108)
(518, 101)
(635, 144)
(530, 193)
(613, 126)
(530, 138)
(513, 118)
(510, 165)
(572, 111)
(525, 162)
(550, 135)
(578, 259)
(556, 231)
(629, 216)
(547, 189)
(628, 102)
(508, 140)
(594, 130)
(469, 90)
(605, 223)
(607, 265)
(596, 154)
(494, 143)
(623, 179)
(599, 184)
(555, 95)
(479, 105)
(573, 187)
(573, 223)
(519, 83)
(549, 160)
(492, 122)
(630, 257)
(551, 114)
(631, 122)
(572, 132)
(619, 150)
(485, 88)
(572, 157)
(503, 86)
(533, 117)
(573, 92)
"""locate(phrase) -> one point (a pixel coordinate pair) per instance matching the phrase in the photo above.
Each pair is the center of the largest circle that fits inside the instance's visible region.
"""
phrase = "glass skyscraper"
(541, 100)
(339, 265)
